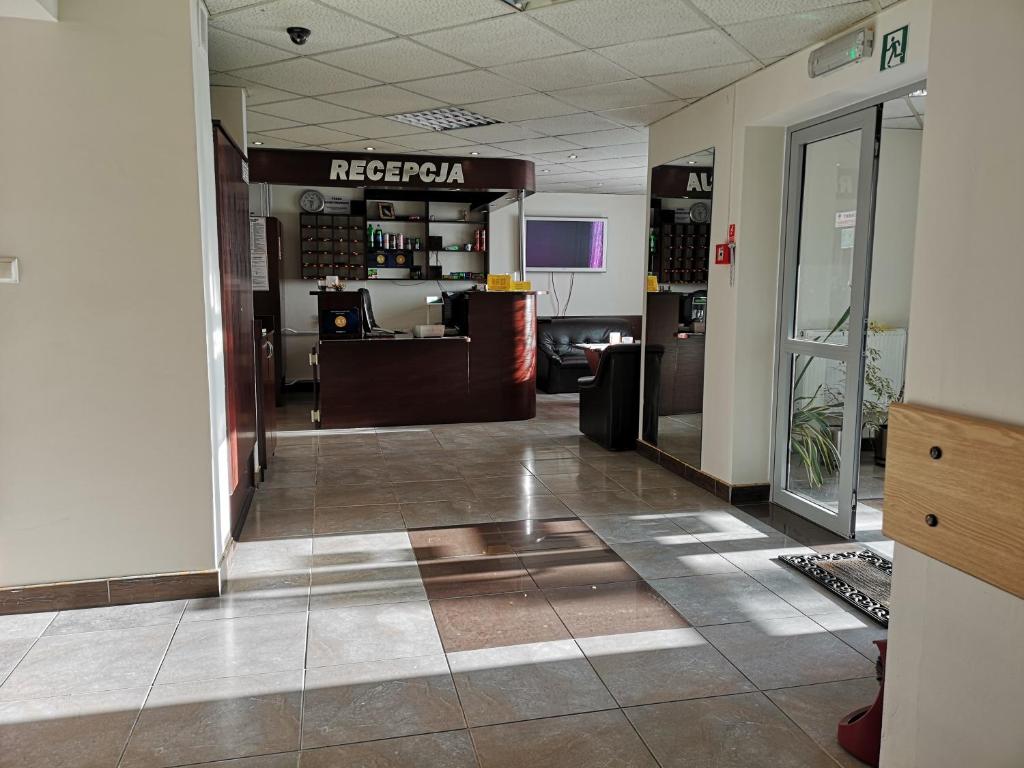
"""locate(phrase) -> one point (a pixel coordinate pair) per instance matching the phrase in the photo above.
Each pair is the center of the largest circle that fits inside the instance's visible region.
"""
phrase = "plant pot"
(881, 439)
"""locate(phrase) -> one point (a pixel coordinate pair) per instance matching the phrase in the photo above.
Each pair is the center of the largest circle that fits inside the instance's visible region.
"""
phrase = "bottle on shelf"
(378, 238)
(400, 245)
(483, 239)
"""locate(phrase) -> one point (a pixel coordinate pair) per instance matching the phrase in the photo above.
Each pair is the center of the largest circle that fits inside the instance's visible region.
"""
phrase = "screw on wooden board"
(935, 452)
(931, 521)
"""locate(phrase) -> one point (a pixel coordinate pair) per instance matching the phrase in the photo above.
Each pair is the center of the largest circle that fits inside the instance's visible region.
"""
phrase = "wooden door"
(237, 315)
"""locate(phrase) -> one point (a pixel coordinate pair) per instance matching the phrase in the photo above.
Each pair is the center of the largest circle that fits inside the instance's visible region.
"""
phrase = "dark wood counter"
(487, 375)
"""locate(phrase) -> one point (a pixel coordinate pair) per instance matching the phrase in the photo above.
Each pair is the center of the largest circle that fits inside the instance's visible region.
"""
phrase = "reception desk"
(486, 374)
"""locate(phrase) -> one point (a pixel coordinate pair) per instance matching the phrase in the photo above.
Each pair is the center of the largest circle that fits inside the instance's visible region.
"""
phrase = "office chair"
(371, 321)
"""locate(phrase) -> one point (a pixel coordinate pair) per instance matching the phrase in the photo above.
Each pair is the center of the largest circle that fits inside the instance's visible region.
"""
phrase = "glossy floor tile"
(217, 719)
(575, 741)
(662, 665)
(778, 653)
(725, 732)
(88, 729)
(606, 609)
(88, 662)
(515, 600)
(490, 621)
(525, 682)
(379, 700)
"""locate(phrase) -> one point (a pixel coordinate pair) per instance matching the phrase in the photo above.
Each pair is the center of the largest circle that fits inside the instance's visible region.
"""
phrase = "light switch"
(8, 269)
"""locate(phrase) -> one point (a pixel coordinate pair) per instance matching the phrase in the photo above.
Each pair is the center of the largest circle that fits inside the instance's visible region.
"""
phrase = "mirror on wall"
(679, 255)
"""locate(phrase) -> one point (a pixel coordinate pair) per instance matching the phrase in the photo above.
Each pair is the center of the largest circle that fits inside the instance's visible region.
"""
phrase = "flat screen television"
(565, 244)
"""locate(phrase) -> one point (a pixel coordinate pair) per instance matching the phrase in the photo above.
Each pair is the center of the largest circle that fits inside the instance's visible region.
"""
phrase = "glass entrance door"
(827, 258)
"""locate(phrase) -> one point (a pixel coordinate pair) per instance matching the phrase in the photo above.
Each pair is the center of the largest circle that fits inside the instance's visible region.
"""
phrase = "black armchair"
(559, 363)
(610, 400)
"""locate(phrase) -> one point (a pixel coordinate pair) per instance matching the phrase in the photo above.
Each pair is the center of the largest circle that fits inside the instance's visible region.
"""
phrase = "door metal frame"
(868, 121)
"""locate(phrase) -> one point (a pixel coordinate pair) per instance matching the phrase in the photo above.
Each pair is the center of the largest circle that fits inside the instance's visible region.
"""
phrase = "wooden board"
(973, 490)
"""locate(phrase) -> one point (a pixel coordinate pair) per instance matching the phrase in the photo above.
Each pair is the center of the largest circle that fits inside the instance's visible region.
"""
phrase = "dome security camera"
(299, 35)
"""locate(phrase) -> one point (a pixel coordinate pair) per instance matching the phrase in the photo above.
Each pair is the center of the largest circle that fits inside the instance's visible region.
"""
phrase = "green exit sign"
(894, 48)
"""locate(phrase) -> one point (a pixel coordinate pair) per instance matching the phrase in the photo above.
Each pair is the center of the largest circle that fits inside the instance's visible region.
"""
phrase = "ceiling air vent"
(444, 119)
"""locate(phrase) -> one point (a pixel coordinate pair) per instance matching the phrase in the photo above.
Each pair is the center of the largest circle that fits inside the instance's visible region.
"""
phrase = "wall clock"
(311, 201)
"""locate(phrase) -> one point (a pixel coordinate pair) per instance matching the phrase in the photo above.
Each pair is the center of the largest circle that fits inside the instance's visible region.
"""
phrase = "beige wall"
(105, 395)
(744, 123)
(956, 645)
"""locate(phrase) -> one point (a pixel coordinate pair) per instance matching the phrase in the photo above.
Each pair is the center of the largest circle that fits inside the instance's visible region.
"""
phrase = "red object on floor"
(860, 732)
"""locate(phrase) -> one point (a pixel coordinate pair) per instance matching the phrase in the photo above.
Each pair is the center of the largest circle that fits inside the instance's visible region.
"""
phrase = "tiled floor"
(496, 595)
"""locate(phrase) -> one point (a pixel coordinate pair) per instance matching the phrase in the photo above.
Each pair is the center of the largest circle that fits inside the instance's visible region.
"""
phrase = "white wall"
(619, 290)
(744, 123)
(892, 260)
(403, 304)
(956, 645)
(106, 462)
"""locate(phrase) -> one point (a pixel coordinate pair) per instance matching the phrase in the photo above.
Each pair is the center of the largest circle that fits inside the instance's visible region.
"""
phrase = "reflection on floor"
(679, 436)
(493, 595)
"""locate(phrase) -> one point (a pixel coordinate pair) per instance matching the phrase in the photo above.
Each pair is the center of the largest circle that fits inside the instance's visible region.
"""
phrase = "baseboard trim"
(747, 493)
(97, 593)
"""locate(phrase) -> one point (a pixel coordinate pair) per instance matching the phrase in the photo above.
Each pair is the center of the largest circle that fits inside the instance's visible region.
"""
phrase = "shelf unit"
(679, 253)
(337, 245)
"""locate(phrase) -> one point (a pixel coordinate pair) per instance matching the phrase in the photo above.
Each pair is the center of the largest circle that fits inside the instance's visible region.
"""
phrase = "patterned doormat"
(862, 579)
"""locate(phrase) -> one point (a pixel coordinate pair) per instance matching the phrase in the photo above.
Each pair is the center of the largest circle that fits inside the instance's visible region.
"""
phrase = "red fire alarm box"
(722, 252)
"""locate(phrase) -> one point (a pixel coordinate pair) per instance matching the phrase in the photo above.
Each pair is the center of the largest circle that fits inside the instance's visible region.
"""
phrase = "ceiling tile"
(734, 11)
(254, 92)
(644, 115)
(383, 100)
(219, 6)
(268, 24)
(567, 71)
(362, 144)
(607, 22)
(408, 17)
(598, 153)
(467, 150)
(612, 164)
(919, 103)
(305, 76)
(627, 93)
(700, 82)
(394, 60)
(430, 140)
(610, 138)
(783, 35)
(312, 134)
(526, 107)
(499, 41)
(707, 48)
(229, 51)
(559, 126)
(902, 123)
(255, 122)
(272, 142)
(896, 108)
(544, 144)
(478, 85)
(491, 133)
(309, 111)
(375, 127)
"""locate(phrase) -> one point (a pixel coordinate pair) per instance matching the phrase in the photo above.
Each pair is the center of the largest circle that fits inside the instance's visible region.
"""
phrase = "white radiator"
(828, 374)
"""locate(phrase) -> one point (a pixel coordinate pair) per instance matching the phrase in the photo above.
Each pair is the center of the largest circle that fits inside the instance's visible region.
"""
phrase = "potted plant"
(875, 409)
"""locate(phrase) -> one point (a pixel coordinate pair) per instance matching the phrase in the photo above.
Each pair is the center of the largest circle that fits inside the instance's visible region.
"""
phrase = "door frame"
(845, 522)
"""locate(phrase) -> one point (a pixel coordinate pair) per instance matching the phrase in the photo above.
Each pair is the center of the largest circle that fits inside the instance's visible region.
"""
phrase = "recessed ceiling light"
(922, 92)
(573, 157)
(692, 162)
(369, 149)
(545, 170)
(258, 143)
(474, 153)
(444, 119)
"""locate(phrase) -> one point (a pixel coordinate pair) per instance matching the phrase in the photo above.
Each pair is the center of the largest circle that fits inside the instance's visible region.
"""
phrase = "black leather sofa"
(610, 399)
(559, 363)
